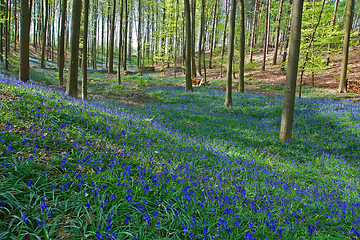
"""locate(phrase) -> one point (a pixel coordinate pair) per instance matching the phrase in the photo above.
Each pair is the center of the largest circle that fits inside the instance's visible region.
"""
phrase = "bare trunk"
(212, 34)
(277, 32)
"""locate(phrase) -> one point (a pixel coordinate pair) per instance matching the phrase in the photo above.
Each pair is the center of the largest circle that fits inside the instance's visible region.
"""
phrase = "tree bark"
(291, 73)
(224, 38)
(125, 34)
(266, 35)
(212, 34)
(85, 43)
(61, 54)
(139, 37)
(45, 26)
(228, 94)
(202, 32)
(345, 55)
(94, 43)
(25, 18)
(72, 83)
(241, 87)
(111, 40)
(120, 42)
(188, 86)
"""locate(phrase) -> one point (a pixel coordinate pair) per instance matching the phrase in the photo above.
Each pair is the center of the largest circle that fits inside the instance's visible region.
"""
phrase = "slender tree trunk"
(283, 60)
(176, 36)
(43, 48)
(61, 54)
(25, 18)
(120, 42)
(252, 41)
(266, 34)
(332, 30)
(15, 23)
(345, 55)
(188, 86)
(85, 53)
(228, 95)
(2, 15)
(212, 34)
(268, 27)
(241, 86)
(125, 34)
(224, 38)
(193, 35)
(72, 83)
(291, 73)
(94, 43)
(111, 43)
(277, 32)
(139, 38)
(202, 32)
(7, 35)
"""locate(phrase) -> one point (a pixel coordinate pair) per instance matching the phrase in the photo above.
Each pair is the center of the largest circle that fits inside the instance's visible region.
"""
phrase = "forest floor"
(272, 80)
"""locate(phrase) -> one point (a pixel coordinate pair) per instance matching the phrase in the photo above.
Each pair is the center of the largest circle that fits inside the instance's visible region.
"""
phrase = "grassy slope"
(184, 168)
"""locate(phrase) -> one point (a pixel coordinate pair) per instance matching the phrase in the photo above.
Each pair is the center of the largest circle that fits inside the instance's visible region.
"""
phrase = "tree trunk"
(125, 34)
(291, 73)
(228, 95)
(7, 35)
(252, 41)
(111, 40)
(202, 32)
(25, 18)
(94, 44)
(61, 54)
(212, 34)
(242, 46)
(188, 86)
(266, 34)
(345, 55)
(193, 35)
(277, 33)
(139, 37)
(224, 38)
(15, 22)
(120, 42)
(85, 53)
(72, 83)
(44, 29)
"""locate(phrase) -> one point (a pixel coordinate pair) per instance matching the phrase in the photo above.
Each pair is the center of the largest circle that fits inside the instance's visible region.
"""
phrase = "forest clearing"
(113, 123)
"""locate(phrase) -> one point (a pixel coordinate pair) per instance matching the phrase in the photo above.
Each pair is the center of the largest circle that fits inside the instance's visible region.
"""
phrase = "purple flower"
(24, 217)
(30, 182)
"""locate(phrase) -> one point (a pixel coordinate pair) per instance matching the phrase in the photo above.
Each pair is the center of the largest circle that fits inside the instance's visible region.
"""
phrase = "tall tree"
(72, 83)
(61, 54)
(224, 38)
(139, 37)
(125, 34)
(188, 86)
(120, 42)
(111, 40)
(44, 29)
(94, 43)
(242, 46)
(266, 33)
(25, 17)
(85, 51)
(291, 73)
(228, 95)
(345, 54)
(202, 32)
(212, 33)
(254, 23)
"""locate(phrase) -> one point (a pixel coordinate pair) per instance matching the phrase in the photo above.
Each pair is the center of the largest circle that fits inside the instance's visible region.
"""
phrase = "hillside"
(178, 167)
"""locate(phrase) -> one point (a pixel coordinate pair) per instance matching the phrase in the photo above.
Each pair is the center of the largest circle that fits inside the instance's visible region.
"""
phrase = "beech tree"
(25, 17)
(72, 83)
(61, 53)
(291, 73)
(345, 54)
(188, 54)
(228, 94)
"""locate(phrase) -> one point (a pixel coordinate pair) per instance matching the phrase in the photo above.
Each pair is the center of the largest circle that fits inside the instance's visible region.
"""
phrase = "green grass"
(179, 166)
